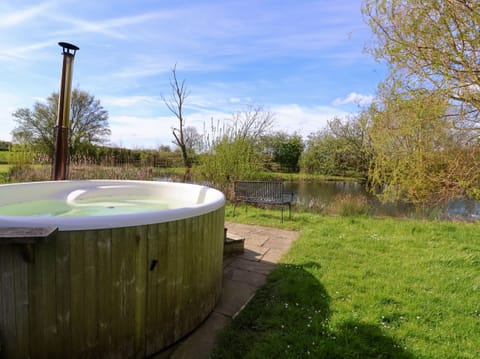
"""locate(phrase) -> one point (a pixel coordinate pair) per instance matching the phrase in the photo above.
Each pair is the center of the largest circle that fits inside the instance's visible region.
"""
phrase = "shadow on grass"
(289, 318)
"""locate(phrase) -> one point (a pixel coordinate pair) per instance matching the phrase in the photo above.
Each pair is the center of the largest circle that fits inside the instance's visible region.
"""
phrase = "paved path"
(242, 276)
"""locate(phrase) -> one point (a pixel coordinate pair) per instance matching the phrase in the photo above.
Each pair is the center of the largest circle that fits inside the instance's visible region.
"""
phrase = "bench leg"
(289, 211)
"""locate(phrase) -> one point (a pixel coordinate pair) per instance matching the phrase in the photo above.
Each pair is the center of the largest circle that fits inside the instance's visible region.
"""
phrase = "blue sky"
(302, 60)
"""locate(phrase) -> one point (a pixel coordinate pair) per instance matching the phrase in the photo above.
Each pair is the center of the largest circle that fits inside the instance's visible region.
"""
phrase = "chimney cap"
(67, 47)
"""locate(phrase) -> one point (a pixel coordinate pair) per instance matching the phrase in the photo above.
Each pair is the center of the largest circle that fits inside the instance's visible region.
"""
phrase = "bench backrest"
(260, 190)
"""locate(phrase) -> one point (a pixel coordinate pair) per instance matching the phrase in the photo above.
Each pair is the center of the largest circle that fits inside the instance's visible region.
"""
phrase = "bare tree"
(252, 122)
(175, 103)
(193, 140)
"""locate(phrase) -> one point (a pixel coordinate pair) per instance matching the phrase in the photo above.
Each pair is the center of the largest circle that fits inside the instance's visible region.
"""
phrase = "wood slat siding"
(20, 273)
(97, 293)
(105, 292)
(63, 292)
(155, 284)
(77, 291)
(141, 270)
(7, 301)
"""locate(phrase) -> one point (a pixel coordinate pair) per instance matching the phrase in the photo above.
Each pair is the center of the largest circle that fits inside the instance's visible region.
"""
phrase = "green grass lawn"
(364, 288)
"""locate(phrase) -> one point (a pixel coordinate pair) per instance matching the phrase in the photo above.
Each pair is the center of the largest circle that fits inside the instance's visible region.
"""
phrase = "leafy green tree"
(353, 144)
(342, 148)
(285, 150)
(319, 154)
(418, 156)
(88, 124)
(433, 45)
(427, 117)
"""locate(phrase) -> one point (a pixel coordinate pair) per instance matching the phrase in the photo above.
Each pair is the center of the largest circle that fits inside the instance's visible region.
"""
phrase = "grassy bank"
(304, 177)
(364, 288)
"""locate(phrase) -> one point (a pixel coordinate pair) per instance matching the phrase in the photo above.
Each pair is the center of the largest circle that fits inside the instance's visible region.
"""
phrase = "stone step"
(233, 244)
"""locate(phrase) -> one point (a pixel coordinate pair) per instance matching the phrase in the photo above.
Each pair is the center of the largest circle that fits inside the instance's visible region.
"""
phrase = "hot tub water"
(93, 207)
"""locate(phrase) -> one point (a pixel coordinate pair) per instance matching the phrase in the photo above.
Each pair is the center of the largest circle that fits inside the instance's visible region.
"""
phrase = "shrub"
(230, 160)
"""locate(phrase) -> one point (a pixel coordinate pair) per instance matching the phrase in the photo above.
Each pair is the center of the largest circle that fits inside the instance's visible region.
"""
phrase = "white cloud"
(127, 101)
(23, 52)
(138, 71)
(150, 132)
(114, 27)
(304, 120)
(356, 98)
(23, 15)
(140, 132)
(9, 103)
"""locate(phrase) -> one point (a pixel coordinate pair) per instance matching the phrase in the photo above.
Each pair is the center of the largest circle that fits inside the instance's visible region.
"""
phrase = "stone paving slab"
(234, 296)
(273, 256)
(249, 277)
(253, 253)
(200, 344)
(252, 266)
(242, 275)
(257, 241)
(281, 245)
(228, 260)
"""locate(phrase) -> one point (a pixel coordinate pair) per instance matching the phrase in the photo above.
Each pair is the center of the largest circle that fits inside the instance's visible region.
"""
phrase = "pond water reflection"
(324, 193)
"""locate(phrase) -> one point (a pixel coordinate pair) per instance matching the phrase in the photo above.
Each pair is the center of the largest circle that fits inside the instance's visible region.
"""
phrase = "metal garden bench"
(262, 192)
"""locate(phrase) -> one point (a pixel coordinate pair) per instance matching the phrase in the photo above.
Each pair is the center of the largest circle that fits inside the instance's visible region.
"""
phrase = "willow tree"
(417, 154)
(433, 45)
(426, 122)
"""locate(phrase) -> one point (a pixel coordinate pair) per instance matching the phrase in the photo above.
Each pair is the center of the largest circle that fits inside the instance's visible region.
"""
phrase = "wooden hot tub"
(127, 288)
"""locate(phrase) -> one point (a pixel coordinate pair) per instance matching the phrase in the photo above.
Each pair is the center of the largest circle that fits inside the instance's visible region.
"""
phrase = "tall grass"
(349, 205)
(81, 171)
(342, 205)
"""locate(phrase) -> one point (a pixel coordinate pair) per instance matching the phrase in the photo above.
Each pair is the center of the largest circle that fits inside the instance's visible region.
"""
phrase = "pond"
(322, 193)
